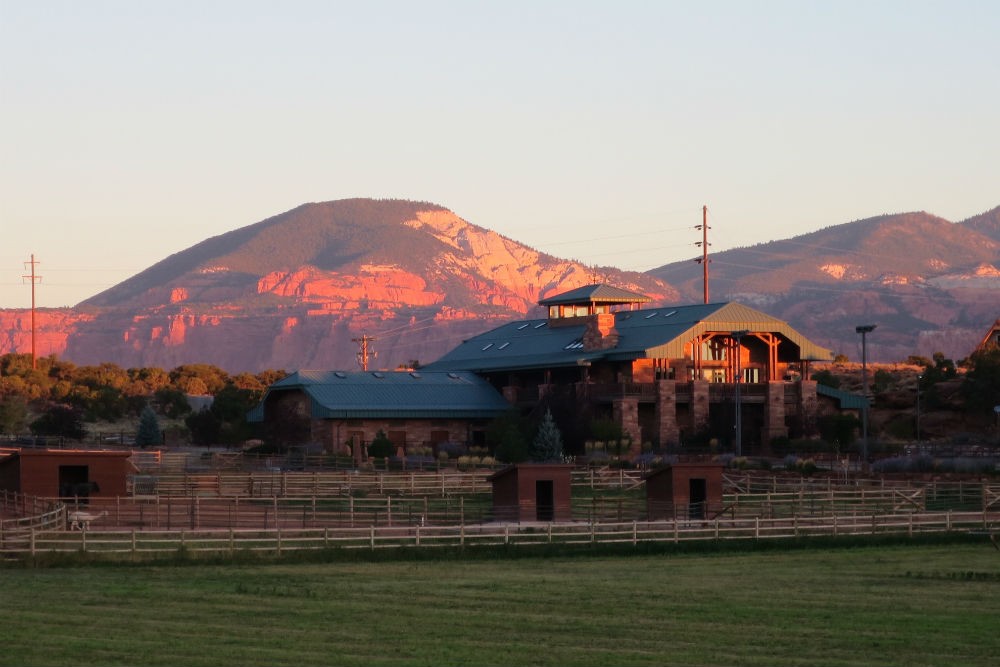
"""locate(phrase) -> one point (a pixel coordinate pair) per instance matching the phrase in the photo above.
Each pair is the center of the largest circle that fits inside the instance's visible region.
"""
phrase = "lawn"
(885, 605)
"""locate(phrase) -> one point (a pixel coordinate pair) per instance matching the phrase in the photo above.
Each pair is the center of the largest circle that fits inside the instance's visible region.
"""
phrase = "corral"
(278, 512)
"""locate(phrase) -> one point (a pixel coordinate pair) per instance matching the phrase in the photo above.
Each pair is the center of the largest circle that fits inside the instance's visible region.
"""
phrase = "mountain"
(294, 291)
(930, 285)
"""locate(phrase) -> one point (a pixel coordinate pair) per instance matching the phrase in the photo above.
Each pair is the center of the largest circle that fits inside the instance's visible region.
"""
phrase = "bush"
(381, 446)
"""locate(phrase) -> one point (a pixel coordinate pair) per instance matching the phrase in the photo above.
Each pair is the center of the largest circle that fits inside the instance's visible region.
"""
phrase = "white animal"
(81, 520)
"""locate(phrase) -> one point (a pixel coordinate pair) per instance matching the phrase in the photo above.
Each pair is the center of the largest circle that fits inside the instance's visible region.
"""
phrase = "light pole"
(864, 330)
(919, 378)
(738, 337)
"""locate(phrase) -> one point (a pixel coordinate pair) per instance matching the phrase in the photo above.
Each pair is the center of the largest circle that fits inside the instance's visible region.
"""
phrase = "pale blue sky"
(132, 130)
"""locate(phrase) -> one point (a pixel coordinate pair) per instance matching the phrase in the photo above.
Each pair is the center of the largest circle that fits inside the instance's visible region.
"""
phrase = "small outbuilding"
(532, 492)
(684, 491)
(66, 473)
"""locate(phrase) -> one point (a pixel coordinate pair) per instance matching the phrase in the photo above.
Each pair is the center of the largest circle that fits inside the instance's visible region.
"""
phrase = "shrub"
(381, 446)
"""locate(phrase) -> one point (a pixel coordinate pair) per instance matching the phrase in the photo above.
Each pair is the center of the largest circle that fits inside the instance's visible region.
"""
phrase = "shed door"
(545, 500)
(74, 481)
(697, 497)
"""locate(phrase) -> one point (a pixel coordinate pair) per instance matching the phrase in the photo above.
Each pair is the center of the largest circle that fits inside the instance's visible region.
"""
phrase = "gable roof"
(649, 333)
(390, 395)
(992, 337)
(595, 294)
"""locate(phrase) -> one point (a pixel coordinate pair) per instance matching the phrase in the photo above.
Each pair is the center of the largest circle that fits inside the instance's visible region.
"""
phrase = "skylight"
(487, 346)
(340, 374)
(575, 345)
(540, 325)
(503, 345)
(378, 375)
(524, 326)
(652, 314)
(670, 313)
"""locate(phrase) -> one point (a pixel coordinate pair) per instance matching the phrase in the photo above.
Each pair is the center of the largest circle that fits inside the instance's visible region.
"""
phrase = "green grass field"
(882, 605)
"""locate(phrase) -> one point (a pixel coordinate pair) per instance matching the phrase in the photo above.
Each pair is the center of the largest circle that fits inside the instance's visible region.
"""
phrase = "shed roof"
(390, 395)
(648, 333)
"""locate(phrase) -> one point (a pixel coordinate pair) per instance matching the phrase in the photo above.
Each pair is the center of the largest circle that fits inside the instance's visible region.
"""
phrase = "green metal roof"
(848, 401)
(391, 395)
(649, 333)
(595, 294)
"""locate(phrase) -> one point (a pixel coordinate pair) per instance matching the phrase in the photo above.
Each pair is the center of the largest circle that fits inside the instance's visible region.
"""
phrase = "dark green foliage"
(60, 420)
(381, 446)
(839, 429)
(149, 434)
(204, 427)
(13, 415)
(882, 381)
(981, 387)
(513, 446)
(547, 445)
(173, 403)
(605, 430)
(826, 378)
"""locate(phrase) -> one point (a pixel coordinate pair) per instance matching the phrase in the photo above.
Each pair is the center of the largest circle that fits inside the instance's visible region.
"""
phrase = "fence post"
(756, 527)
(909, 530)
(948, 524)
(418, 537)
(388, 510)
(83, 540)
(134, 546)
(506, 534)
(635, 530)
(834, 525)
(32, 540)
(232, 541)
(550, 532)
(677, 536)
(279, 541)
(372, 537)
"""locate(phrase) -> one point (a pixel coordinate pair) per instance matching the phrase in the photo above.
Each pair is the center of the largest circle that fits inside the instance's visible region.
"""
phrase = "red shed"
(684, 490)
(532, 492)
(64, 473)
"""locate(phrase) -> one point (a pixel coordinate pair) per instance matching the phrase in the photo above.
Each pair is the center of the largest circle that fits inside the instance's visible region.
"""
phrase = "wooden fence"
(350, 483)
(22, 516)
(137, 543)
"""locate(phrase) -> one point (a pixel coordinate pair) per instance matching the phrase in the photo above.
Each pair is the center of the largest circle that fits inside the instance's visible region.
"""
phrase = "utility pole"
(864, 330)
(703, 260)
(738, 350)
(364, 354)
(34, 281)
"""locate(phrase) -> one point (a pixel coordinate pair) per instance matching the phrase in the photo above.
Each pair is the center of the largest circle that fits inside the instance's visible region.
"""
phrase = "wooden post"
(134, 549)
(372, 537)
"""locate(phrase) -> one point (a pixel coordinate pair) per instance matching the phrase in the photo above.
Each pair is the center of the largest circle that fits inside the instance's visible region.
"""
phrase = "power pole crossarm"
(703, 260)
(365, 353)
(35, 279)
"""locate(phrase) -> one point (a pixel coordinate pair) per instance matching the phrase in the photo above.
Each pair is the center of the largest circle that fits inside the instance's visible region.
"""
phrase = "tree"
(173, 403)
(13, 415)
(204, 427)
(381, 446)
(149, 428)
(826, 378)
(981, 386)
(61, 420)
(547, 445)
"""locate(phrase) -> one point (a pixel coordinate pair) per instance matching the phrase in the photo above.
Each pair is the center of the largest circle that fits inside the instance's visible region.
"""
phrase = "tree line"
(59, 398)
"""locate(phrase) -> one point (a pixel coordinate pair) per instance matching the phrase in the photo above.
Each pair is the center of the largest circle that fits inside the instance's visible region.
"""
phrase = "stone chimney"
(600, 333)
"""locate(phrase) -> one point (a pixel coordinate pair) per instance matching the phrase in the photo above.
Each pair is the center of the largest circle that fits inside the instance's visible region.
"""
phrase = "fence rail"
(282, 540)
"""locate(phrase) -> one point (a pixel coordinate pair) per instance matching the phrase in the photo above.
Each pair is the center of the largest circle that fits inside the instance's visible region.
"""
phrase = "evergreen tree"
(547, 445)
(149, 429)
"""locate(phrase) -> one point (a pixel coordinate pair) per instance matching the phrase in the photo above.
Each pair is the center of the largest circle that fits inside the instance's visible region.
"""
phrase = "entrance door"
(697, 497)
(74, 481)
(545, 500)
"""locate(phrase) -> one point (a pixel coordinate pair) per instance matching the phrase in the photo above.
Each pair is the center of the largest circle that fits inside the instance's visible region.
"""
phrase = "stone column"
(808, 406)
(699, 405)
(625, 412)
(774, 412)
(668, 433)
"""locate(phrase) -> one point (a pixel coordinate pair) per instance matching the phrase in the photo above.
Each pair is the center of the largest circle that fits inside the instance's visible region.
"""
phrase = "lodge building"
(663, 374)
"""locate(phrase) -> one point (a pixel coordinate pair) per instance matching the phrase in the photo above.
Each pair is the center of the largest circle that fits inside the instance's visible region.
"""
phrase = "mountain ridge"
(293, 290)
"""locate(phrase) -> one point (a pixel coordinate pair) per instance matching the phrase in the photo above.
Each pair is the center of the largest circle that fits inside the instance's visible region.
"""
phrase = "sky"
(593, 131)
